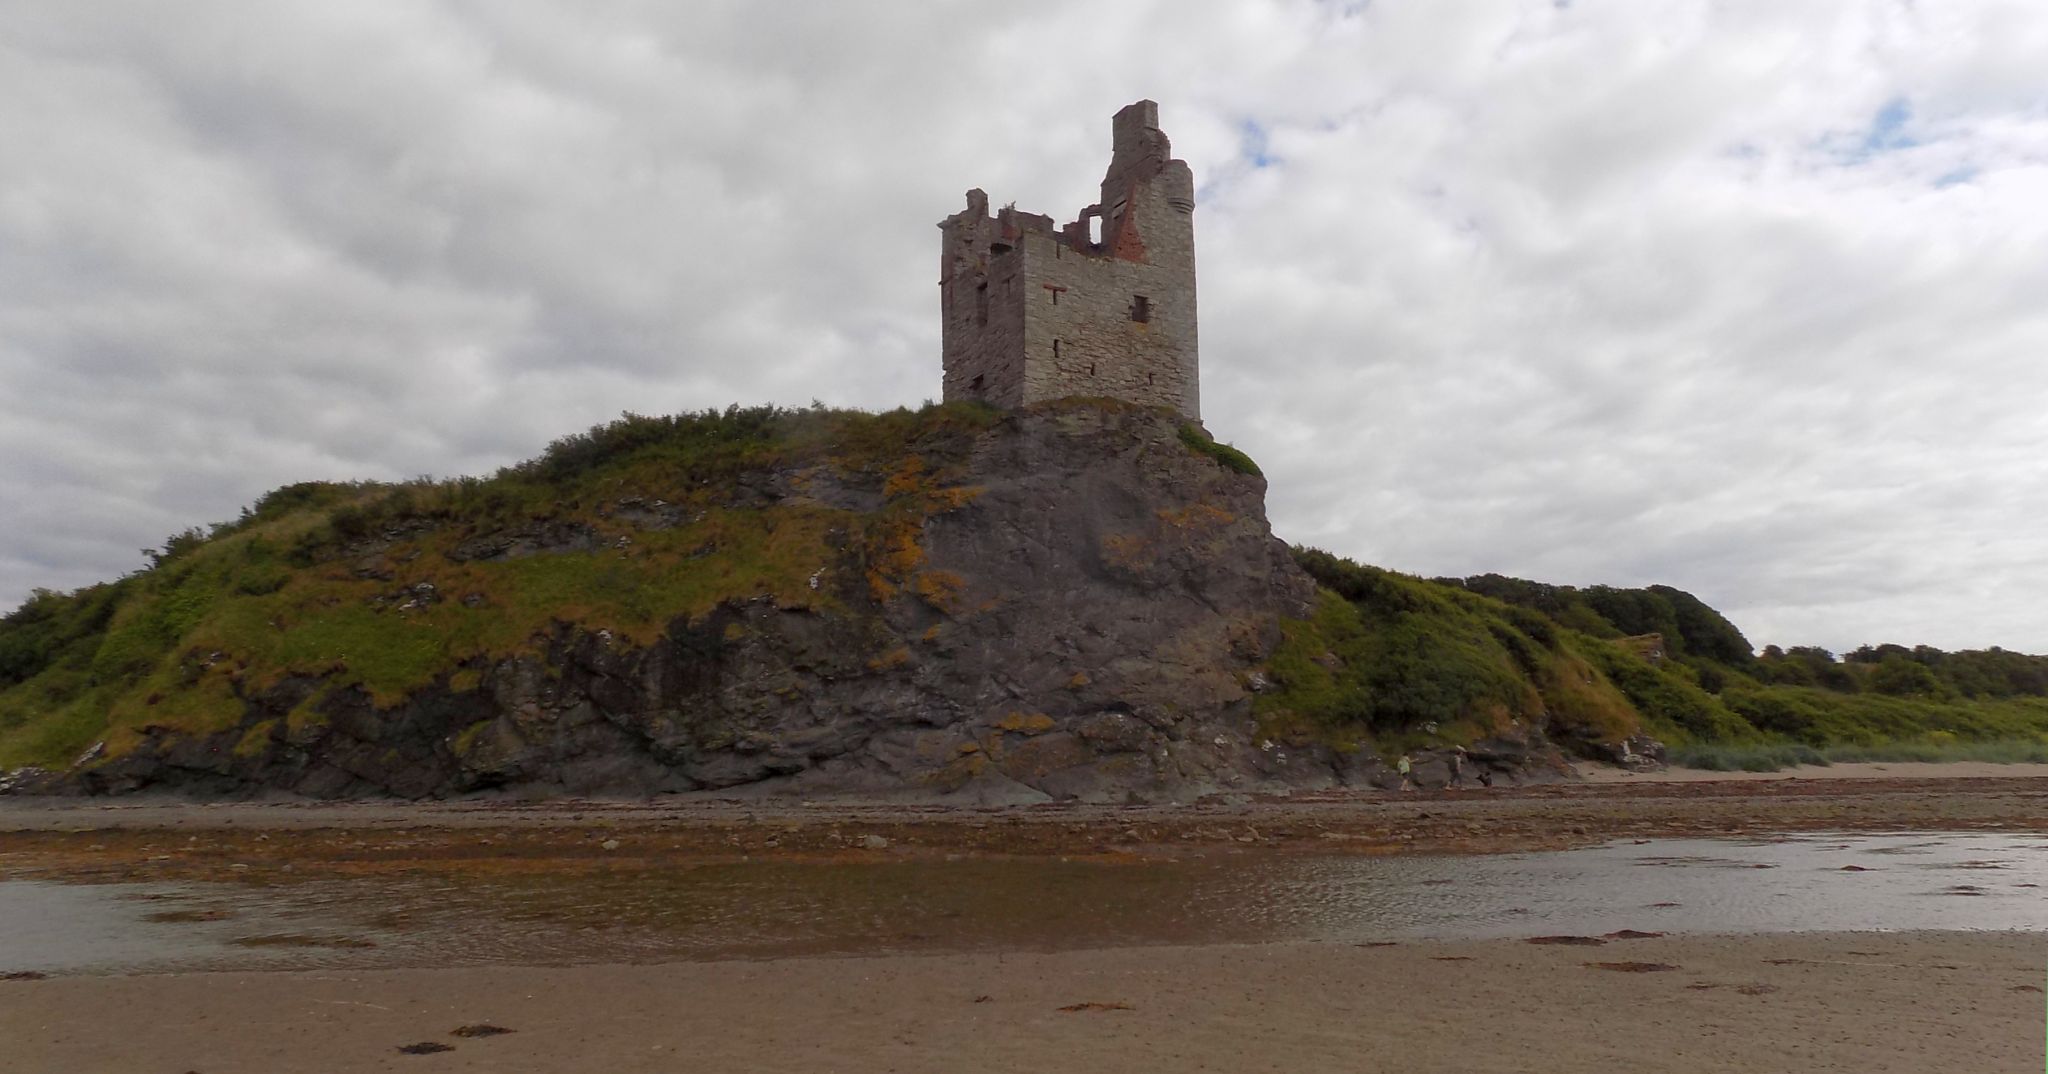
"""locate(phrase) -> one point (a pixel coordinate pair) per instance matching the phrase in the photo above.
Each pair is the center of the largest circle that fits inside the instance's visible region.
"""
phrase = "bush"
(53, 627)
(1387, 654)
(1769, 757)
(1226, 456)
(1674, 708)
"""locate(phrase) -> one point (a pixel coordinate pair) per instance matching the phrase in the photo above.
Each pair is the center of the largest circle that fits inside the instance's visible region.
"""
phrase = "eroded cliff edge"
(1079, 600)
(1073, 606)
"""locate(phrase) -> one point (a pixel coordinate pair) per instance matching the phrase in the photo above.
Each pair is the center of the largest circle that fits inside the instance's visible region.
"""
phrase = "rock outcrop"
(1081, 615)
(1079, 600)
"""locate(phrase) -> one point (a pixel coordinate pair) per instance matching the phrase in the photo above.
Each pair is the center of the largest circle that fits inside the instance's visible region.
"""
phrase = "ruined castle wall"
(1032, 314)
(982, 311)
(1081, 336)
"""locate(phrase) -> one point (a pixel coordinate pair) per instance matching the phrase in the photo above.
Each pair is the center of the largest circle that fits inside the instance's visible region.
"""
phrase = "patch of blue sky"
(1254, 154)
(1254, 145)
(1887, 129)
(1959, 176)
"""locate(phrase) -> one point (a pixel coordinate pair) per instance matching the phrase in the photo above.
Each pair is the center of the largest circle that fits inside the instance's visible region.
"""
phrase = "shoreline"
(131, 839)
(1680, 1003)
(1805, 1001)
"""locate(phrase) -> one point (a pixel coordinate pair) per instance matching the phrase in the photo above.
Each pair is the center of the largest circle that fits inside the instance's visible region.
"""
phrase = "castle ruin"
(1104, 306)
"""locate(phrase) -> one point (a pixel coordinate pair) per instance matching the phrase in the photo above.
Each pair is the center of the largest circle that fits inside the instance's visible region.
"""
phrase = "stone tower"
(1104, 306)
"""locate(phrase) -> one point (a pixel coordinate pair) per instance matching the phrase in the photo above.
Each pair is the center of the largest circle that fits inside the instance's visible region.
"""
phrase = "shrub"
(1765, 757)
(1195, 437)
(1770, 757)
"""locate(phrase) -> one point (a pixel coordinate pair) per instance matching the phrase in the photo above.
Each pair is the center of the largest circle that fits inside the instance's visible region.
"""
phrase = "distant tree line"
(1897, 671)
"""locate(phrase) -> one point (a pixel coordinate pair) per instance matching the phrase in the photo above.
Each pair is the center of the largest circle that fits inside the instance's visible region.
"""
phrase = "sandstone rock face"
(1086, 621)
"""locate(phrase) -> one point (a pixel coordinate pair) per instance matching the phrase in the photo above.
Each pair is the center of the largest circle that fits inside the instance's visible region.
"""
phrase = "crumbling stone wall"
(1031, 312)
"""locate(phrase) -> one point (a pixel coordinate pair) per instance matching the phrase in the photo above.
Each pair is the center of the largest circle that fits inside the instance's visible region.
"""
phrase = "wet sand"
(628, 911)
(131, 839)
(1809, 1001)
(1813, 1002)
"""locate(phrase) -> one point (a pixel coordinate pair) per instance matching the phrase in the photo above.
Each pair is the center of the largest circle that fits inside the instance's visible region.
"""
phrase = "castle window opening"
(1141, 308)
(1091, 369)
(1095, 231)
(975, 385)
(1055, 350)
(981, 303)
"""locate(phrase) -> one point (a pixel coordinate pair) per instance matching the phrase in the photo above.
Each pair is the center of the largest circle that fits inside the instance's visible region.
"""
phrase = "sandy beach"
(1808, 1001)
(1816, 1002)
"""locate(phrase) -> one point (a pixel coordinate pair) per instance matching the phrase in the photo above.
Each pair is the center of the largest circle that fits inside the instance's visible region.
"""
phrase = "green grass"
(1673, 706)
(1403, 662)
(1744, 757)
(1401, 653)
(314, 580)
(1771, 757)
(1821, 717)
(1230, 458)
(1993, 751)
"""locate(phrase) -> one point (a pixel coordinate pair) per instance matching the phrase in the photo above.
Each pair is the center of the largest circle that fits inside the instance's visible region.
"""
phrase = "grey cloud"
(1615, 292)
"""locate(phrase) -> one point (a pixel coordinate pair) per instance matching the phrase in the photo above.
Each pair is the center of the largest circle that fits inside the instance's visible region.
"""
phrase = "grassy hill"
(645, 529)
(317, 581)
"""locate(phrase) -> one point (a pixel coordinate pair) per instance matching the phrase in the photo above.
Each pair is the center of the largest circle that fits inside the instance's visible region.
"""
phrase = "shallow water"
(1890, 882)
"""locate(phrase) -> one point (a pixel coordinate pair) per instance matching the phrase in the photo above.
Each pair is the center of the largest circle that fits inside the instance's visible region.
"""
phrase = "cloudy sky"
(1750, 298)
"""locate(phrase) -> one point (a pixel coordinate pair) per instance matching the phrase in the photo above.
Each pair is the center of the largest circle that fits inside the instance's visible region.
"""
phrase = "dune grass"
(1775, 756)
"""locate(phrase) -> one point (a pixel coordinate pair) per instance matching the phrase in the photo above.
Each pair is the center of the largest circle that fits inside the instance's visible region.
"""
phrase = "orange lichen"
(941, 589)
(1026, 723)
(1195, 515)
(896, 554)
(908, 477)
(1128, 550)
(894, 658)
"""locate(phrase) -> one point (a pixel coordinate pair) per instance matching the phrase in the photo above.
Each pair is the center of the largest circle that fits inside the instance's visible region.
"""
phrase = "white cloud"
(1743, 298)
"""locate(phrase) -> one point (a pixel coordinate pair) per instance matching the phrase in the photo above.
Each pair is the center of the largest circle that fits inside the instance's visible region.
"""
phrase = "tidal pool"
(1932, 881)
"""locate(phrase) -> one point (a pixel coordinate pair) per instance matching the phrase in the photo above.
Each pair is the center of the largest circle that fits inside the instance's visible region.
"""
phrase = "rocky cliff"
(1080, 599)
(1074, 611)
(1073, 601)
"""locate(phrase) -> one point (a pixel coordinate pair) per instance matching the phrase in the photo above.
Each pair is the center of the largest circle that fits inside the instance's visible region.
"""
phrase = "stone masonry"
(1104, 306)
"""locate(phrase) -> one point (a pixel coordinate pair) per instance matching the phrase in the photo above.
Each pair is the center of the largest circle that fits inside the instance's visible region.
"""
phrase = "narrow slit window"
(981, 303)
(975, 385)
(1141, 308)
(1055, 350)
